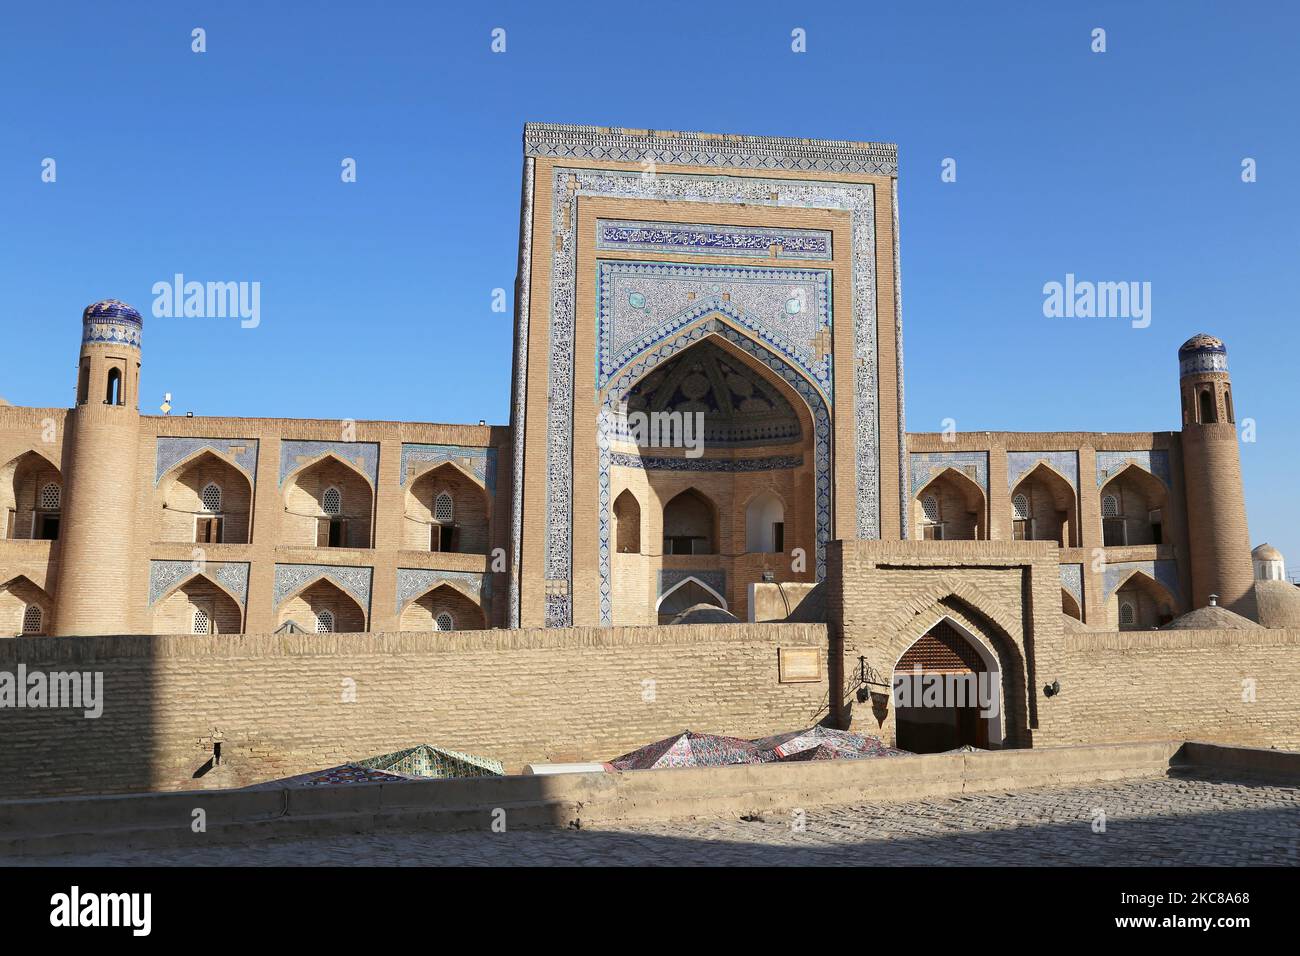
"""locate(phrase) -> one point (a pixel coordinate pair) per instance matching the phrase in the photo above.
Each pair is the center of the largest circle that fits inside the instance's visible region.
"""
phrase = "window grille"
(332, 501)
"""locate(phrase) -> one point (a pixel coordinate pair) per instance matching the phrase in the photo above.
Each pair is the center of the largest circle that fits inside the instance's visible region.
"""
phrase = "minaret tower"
(1216, 506)
(99, 511)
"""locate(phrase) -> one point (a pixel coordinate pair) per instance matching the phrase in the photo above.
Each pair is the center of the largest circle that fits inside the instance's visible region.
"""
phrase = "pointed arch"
(1070, 605)
(21, 512)
(303, 604)
(306, 521)
(765, 523)
(181, 511)
(984, 667)
(175, 609)
(461, 524)
(1052, 507)
(17, 595)
(443, 598)
(1153, 604)
(627, 523)
(690, 523)
(804, 395)
(692, 579)
(961, 504)
(1141, 499)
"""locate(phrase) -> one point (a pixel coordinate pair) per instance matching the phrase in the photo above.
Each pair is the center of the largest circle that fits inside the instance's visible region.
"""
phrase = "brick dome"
(1266, 552)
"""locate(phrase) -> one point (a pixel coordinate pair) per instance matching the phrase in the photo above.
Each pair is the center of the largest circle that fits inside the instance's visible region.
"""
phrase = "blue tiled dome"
(110, 309)
(112, 322)
(1202, 353)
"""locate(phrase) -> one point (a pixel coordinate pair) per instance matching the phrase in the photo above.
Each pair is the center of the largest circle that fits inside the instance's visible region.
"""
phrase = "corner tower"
(1216, 507)
(99, 513)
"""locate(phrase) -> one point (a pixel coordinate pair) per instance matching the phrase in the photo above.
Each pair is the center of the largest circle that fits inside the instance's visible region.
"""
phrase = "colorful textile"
(822, 743)
(425, 760)
(689, 749)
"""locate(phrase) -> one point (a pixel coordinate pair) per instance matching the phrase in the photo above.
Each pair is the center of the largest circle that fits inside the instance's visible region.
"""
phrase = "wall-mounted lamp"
(1052, 689)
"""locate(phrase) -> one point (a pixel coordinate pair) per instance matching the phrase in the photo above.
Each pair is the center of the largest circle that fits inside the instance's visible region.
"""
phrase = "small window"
(202, 622)
(332, 501)
(1021, 505)
(930, 508)
(51, 497)
(1157, 527)
(1227, 405)
(1110, 507)
(211, 498)
(325, 622)
(33, 617)
(1127, 615)
(83, 383)
(442, 508)
(113, 393)
(778, 537)
(1207, 407)
(932, 532)
(45, 526)
(443, 537)
(1114, 532)
(443, 622)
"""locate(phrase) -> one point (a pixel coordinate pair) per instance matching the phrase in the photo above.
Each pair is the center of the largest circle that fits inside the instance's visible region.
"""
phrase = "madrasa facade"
(741, 292)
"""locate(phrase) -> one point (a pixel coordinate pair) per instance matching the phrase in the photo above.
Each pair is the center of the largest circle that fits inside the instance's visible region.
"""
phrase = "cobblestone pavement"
(1150, 822)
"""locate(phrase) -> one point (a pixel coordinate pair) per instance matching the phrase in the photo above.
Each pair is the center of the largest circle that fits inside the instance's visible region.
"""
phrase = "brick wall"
(277, 702)
(1178, 684)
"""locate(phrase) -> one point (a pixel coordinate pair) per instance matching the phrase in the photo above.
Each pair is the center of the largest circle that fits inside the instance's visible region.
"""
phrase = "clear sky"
(376, 295)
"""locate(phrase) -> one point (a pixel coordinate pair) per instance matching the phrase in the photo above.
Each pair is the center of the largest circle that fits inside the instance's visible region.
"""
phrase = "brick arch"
(441, 583)
(283, 607)
(967, 487)
(1058, 484)
(156, 607)
(466, 612)
(177, 521)
(974, 612)
(472, 508)
(208, 579)
(171, 473)
(13, 612)
(293, 475)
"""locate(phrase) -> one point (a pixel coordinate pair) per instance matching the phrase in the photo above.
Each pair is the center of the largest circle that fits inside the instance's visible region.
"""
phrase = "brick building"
(749, 284)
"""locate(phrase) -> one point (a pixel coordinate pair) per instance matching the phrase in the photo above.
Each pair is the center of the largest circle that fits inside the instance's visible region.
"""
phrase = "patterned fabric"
(348, 773)
(823, 743)
(426, 761)
(689, 749)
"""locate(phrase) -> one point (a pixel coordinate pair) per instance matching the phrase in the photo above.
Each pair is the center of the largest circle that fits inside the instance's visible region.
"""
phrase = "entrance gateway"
(947, 693)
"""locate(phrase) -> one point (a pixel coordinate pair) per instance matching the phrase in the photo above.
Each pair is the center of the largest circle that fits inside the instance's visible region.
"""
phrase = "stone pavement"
(1176, 821)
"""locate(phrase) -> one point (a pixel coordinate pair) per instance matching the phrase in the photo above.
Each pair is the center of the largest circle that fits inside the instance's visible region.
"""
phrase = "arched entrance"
(685, 594)
(947, 690)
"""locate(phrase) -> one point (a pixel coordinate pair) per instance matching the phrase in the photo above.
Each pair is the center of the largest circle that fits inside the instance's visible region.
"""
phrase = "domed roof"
(109, 309)
(1213, 618)
(1202, 343)
(705, 614)
(1266, 552)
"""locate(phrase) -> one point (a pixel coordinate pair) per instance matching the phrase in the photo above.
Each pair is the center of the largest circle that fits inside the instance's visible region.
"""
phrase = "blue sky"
(376, 296)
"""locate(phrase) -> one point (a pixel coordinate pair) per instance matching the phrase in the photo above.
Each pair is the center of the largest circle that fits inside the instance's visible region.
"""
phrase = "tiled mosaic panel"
(1021, 463)
(164, 575)
(1072, 580)
(641, 303)
(1164, 572)
(364, 455)
(738, 241)
(973, 464)
(289, 578)
(1111, 463)
(479, 462)
(413, 583)
(171, 450)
